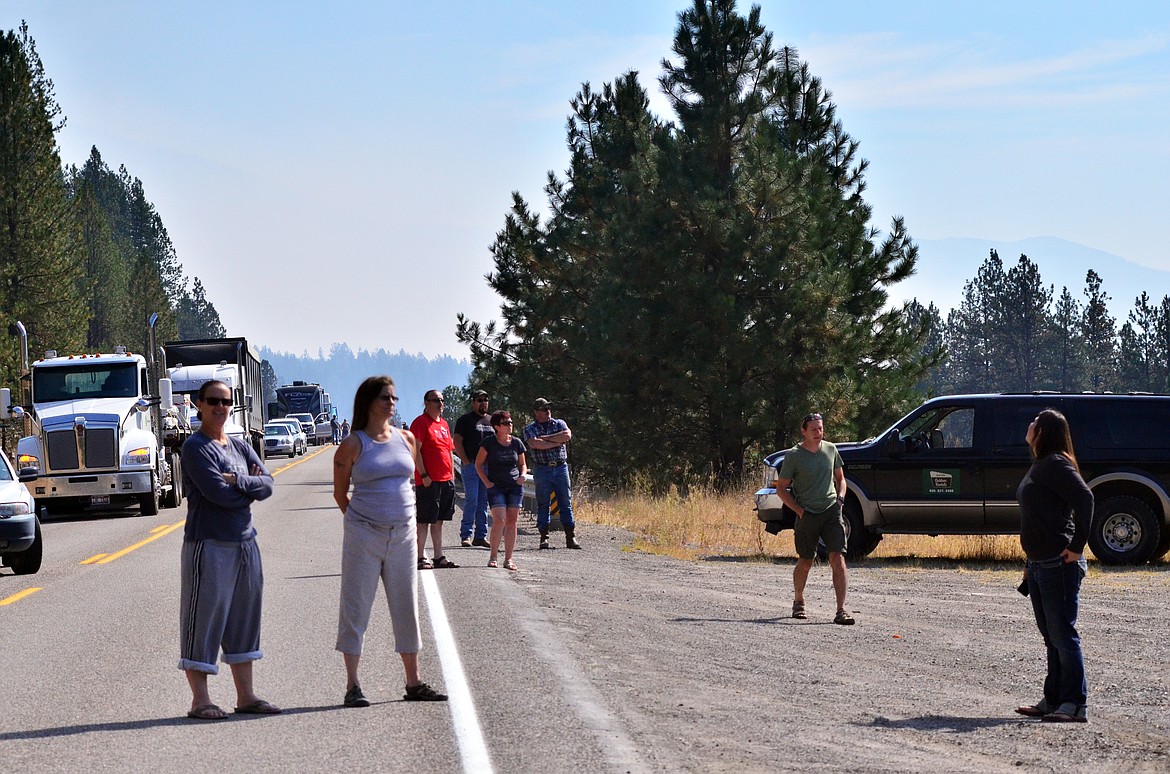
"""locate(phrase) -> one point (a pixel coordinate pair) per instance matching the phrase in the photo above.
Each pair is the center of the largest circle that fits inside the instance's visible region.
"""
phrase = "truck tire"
(1125, 531)
(28, 561)
(174, 498)
(148, 503)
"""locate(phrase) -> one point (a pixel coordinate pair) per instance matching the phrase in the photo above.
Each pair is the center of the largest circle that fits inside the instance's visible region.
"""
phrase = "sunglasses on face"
(481, 400)
(434, 400)
(506, 422)
(218, 401)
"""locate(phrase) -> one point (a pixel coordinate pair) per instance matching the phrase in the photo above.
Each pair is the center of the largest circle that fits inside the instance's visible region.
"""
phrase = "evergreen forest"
(690, 287)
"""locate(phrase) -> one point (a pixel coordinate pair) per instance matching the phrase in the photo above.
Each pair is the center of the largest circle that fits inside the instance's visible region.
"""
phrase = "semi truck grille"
(100, 449)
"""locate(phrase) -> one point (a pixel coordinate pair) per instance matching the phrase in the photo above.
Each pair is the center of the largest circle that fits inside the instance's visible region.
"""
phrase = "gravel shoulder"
(706, 672)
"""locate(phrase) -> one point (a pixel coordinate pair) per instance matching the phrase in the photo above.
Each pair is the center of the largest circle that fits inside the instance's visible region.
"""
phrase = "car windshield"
(278, 430)
(301, 417)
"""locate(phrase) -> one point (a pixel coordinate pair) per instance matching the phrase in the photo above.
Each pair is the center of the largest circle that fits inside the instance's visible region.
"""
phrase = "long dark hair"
(367, 392)
(1051, 436)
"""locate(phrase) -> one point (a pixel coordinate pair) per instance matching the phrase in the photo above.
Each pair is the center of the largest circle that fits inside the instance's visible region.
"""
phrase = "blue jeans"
(548, 481)
(1054, 587)
(475, 506)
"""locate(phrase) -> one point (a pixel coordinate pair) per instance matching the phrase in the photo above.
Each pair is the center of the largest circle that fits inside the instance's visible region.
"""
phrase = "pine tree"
(1100, 333)
(1023, 336)
(41, 279)
(106, 268)
(698, 287)
(196, 316)
(1068, 368)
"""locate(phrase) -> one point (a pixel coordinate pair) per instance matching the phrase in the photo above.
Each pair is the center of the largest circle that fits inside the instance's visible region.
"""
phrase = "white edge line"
(472, 747)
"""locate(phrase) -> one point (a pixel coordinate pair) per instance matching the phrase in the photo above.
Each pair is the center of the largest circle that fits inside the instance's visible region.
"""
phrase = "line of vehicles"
(104, 431)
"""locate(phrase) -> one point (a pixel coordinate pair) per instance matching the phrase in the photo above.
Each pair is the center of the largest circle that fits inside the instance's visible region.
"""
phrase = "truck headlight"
(13, 509)
(138, 456)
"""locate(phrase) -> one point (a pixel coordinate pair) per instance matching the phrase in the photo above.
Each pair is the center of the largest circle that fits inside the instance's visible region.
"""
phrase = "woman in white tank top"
(379, 541)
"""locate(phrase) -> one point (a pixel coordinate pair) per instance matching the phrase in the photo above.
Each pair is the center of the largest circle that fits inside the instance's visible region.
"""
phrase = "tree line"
(1013, 333)
(84, 255)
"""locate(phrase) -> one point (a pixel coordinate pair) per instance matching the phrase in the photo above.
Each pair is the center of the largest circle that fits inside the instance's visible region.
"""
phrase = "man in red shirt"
(434, 482)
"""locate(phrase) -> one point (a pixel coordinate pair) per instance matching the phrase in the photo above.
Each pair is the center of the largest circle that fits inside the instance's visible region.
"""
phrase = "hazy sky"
(360, 156)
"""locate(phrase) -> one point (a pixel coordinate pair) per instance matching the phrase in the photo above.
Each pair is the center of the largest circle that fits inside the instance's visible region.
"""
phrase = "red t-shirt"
(434, 437)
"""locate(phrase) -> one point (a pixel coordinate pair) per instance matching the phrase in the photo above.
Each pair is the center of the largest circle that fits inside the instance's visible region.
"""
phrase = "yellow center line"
(166, 529)
(141, 543)
(19, 596)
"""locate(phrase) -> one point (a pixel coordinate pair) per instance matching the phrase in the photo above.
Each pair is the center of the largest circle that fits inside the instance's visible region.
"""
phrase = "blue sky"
(360, 156)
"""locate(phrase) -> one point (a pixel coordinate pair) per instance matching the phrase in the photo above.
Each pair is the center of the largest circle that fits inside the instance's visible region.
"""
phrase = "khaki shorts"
(811, 528)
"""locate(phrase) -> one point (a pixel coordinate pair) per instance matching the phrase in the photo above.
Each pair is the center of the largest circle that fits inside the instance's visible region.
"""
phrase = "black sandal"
(423, 692)
(444, 563)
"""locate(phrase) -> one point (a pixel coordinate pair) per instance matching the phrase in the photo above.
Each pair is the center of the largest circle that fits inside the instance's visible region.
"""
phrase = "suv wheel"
(1125, 531)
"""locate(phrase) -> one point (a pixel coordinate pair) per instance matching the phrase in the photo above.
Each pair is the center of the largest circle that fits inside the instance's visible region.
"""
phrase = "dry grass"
(707, 525)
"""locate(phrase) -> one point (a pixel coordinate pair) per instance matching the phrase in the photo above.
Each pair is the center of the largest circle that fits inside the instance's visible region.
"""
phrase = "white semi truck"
(189, 364)
(101, 432)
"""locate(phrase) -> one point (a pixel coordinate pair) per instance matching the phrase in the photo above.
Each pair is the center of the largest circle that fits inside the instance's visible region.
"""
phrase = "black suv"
(951, 467)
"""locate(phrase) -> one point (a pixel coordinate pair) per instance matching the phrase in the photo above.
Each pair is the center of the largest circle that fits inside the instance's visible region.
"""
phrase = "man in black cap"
(549, 461)
(470, 430)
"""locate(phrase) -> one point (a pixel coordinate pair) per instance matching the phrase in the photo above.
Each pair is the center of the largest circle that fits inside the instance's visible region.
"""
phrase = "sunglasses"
(506, 422)
(388, 398)
(481, 400)
(218, 401)
(435, 400)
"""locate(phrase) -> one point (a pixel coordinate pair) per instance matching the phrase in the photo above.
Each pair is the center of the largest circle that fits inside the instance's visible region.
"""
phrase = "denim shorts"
(505, 497)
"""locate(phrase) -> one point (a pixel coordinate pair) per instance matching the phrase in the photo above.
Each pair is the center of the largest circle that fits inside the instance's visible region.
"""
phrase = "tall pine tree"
(701, 285)
(41, 277)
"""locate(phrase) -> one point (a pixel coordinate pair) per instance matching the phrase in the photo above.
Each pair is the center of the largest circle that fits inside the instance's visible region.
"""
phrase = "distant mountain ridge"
(945, 265)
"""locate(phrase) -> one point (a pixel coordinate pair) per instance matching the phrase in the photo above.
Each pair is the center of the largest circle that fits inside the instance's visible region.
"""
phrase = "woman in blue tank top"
(379, 460)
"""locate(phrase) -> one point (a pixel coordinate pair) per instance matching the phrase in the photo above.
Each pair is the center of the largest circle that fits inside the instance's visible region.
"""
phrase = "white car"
(298, 431)
(279, 438)
(20, 530)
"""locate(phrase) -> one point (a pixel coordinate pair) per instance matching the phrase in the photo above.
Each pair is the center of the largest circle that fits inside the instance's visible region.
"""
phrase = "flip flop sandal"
(510, 565)
(259, 707)
(798, 611)
(493, 563)
(425, 564)
(207, 712)
(843, 618)
(444, 563)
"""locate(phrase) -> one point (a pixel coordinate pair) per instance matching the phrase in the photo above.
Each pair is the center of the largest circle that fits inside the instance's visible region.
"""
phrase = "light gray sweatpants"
(221, 592)
(369, 552)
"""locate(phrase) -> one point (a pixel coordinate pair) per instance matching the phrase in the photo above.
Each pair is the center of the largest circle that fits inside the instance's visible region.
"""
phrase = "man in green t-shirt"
(814, 470)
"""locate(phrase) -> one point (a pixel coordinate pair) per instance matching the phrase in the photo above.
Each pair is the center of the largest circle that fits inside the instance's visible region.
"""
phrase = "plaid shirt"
(546, 456)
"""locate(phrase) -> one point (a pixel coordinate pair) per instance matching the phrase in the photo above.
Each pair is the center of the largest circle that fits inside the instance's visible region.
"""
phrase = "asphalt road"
(601, 660)
(89, 677)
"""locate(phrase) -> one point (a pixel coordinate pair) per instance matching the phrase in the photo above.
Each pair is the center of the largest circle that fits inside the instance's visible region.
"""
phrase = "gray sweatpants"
(369, 552)
(220, 597)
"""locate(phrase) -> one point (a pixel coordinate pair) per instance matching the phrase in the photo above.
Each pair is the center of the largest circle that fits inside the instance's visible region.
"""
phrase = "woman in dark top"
(222, 583)
(1056, 509)
(502, 468)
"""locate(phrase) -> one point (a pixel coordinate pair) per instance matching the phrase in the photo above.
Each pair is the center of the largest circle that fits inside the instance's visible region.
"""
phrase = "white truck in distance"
(97, 436)
(190, 364)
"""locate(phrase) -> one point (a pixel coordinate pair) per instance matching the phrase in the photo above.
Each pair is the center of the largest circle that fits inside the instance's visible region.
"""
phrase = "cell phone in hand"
(1023, 587)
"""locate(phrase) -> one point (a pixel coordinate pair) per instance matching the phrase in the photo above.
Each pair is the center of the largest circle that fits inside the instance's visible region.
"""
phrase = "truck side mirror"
(142, 404)
(166, 393)
(893, 444)
(27, 475)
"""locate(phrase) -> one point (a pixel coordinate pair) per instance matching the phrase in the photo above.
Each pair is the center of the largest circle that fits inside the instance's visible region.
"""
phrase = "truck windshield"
(84, 381)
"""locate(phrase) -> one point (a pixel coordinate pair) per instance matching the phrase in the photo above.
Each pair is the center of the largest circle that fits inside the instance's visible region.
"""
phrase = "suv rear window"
(1126, 424)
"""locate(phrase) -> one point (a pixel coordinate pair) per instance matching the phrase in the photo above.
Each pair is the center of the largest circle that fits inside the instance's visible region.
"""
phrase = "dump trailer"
(190, 364)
